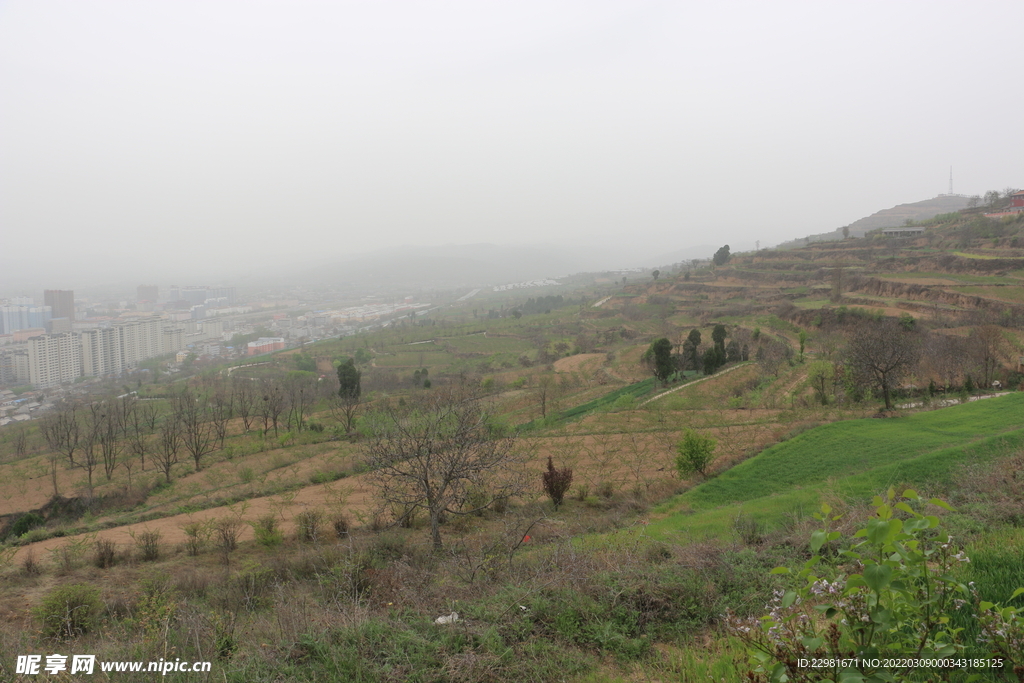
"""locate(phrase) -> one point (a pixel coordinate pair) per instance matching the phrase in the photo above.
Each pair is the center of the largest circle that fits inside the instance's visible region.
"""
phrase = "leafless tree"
(430, 455)
(271, 404)
(221, 412)
(244, 399)
(344, 409)
(883, 353)
(301, 394)
(169, 444)
(138, 426)
(989, 348)
(546, 392)
(946, 356)
(771, 354)
(107, 422)
(63, 432)
(88, 459)
(190, 411)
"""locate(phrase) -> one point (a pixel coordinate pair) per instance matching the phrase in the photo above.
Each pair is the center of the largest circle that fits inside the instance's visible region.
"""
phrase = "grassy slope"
(857, 458)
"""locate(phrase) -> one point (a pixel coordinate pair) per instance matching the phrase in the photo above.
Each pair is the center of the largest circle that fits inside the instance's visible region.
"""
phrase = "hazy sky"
(152, 138)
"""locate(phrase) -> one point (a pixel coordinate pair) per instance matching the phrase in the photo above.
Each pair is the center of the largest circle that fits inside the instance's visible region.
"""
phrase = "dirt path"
(690, 384)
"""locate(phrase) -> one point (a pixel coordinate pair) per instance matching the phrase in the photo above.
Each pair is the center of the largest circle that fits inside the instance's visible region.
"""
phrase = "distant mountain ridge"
(888, 218)
(915, 211)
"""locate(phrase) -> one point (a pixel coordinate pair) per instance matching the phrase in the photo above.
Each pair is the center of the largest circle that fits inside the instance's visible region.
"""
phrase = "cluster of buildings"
(46, 360)
(45, 346)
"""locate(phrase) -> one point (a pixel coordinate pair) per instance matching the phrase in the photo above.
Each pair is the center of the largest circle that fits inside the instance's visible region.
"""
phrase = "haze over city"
(206, 140)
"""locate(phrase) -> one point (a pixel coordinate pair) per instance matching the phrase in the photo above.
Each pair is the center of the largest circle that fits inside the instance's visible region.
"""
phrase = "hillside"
(275, 554)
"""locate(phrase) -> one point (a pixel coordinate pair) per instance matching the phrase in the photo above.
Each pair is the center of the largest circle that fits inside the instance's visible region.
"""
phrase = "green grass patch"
(636, 391)
(857, 458)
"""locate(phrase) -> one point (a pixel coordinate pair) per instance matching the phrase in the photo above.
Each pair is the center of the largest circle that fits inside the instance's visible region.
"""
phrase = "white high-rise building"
(101, 352)
(54, 359)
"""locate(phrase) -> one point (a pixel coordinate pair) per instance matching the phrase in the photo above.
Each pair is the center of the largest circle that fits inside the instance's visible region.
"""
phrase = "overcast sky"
(203, 137)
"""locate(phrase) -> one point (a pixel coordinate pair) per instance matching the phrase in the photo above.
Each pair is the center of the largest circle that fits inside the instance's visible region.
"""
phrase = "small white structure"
(447, 618)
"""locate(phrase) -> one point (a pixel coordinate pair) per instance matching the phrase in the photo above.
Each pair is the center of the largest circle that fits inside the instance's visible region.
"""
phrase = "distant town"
(64, 342)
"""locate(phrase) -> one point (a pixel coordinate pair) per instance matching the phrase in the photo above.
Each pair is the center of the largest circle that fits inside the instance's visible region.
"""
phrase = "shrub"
(266, 531)
(556, 482)
(900, 599)
(148, 545)
(69, 611)
(341, 525)
(227, 529)
(695, 453)
(307, 525)
(196, 536)
(23, 524)
(29, 564)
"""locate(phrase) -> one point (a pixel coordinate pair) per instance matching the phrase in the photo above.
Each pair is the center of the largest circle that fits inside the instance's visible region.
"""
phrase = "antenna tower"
(950, 180)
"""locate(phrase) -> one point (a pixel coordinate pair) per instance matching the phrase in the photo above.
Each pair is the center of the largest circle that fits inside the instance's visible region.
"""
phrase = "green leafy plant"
(897, 601)
(69, 611)
(696, 452)
(266, 531)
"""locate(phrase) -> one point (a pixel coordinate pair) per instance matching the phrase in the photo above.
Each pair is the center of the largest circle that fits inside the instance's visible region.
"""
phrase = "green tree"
(346, 405)
(659, 358)
(718, 336)
(721, 256)
(821, 375)
(690, 349)
(655, 274)
(695, 453)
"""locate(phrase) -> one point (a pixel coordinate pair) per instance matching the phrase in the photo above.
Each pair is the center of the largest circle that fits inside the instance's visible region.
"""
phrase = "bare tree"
(990, 349)
(221, 412)
(62, 431)
(945, 356)
(243, 399)
(301, 394)
(771, 354)
(138, 427)
(883, 354)
(169, 444)
(271, 404)
(547, 390)
(88, 459)
(190, 412)
(20, 439)
(108, 428)
(431, 455)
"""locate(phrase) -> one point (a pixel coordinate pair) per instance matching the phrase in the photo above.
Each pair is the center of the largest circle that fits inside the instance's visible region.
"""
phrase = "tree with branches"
(883, 354)
(197, 434)
(431, 454)
(168, 445)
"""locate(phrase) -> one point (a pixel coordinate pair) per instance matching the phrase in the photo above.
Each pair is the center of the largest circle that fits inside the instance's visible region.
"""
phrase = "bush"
(556, 482)
(148, 544)
(900, 599)
(696, 453)
(69, 611)
(23, 524)
(196, 536)
(341, 525)
(266, 532)
(228, 529)
(307, 525)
